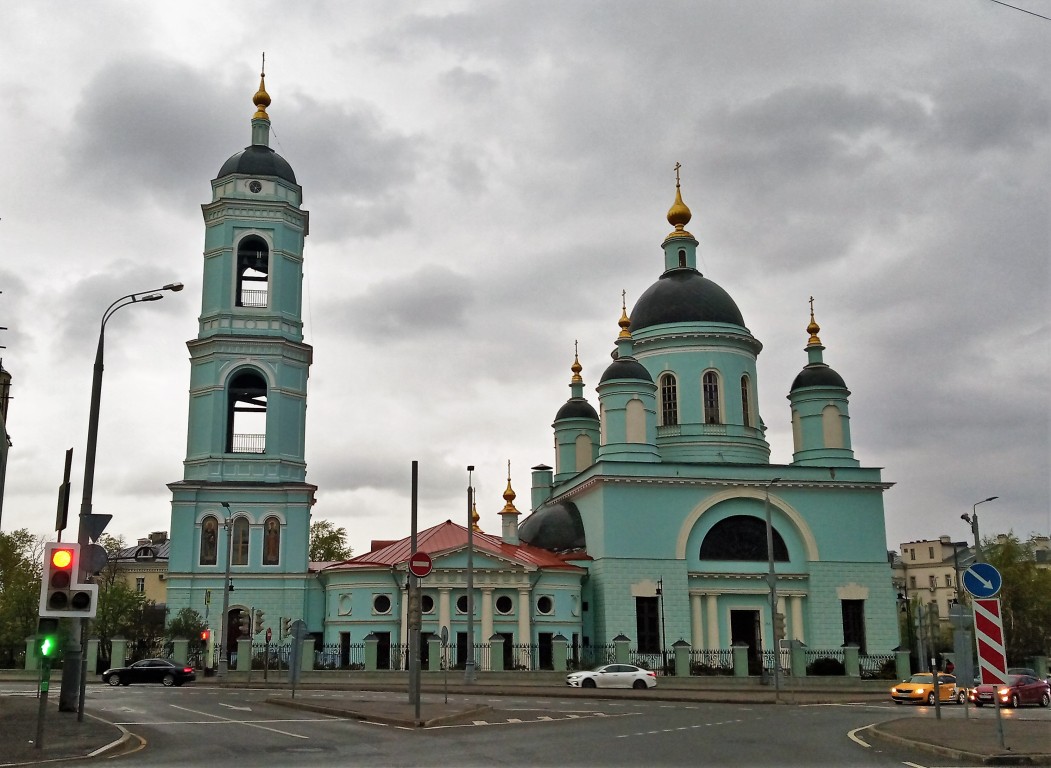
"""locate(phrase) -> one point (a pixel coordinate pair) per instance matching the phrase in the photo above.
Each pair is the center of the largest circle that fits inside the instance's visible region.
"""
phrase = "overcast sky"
(484, 179)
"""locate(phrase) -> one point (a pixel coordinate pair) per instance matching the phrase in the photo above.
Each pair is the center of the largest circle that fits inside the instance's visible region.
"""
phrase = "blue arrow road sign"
(982, 580)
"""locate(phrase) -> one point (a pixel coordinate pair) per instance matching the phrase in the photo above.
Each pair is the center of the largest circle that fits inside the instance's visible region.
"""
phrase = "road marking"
(234, 706)
(852, 735)
(912, 765)
(243, 722)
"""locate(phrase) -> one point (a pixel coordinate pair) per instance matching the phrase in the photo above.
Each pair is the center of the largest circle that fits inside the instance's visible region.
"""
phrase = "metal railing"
(711, 661)
(248, 444)
(253, 298)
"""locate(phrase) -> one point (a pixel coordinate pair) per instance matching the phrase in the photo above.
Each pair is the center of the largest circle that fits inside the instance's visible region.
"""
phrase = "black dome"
(576, 408)
(684, 296)
(818, 375)
(258, 160)
(557, 528)
(626, 368)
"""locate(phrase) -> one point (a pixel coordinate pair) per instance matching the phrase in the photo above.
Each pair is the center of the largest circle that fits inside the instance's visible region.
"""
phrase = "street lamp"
(468, 666)
(771, 578)
(224, 621)
(973, 520)
(71, 696)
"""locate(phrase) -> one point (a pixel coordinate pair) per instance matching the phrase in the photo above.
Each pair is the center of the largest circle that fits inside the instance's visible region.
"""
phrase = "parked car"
(613, 676)
(1019, 690)
(920, 689)
(161, 671)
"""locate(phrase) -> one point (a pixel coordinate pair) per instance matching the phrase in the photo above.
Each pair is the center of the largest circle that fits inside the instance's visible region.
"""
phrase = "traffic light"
(257, 627)
(61, 593)
(206, 635)
(244, 623)
(47, 638)
(779, 626)
(286, 626)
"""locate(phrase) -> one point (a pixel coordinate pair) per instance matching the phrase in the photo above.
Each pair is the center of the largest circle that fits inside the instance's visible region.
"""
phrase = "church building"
(653, 523)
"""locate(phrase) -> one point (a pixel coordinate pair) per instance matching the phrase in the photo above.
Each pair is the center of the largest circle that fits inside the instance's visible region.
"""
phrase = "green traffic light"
(47, 645)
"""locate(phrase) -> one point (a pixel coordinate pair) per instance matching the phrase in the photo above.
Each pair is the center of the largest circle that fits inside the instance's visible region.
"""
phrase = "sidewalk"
(972, 740)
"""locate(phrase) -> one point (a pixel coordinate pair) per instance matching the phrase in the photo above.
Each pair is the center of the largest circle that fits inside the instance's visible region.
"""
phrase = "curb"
(959, 754)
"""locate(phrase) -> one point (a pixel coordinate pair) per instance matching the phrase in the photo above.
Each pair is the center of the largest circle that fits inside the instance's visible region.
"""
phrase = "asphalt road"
(200, 726)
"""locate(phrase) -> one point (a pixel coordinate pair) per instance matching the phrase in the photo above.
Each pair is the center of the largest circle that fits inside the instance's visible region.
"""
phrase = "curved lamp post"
(972, 518)
(73, 675)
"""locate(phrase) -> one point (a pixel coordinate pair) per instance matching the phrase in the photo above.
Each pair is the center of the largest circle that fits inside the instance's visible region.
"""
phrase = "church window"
(239, 553)
(746, 402)
(461, 604)
(710, 390)
(271, 541)
(545, 605)
(253, 267)
(584, 453)
(381, 604)
(209, 540)
(832, 426)
(504, 604)
(741, 537)
(682, 257)
(246, 413)
(669, 400)
(427, 604)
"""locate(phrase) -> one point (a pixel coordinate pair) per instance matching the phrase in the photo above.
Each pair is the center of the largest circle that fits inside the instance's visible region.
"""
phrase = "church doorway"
(744, 629)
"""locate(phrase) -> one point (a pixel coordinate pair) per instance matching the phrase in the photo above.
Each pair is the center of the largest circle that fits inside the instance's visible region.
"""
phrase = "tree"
(328, 543)
(1025, 598)
(188, 624)
(21, 556)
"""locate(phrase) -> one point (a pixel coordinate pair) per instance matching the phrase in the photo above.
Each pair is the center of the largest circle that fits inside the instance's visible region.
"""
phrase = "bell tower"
(243, 505)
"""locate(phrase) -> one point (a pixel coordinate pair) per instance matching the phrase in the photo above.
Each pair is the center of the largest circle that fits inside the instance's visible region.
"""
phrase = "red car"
(1019, 690)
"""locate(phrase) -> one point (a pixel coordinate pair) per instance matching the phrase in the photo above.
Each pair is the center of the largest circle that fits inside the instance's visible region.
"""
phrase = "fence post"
(306, 655)
(620, 649)
(119, 652)
(371, 655)
(851, 660)
(558, 652)
(798, 658)
(93, 656)
(740, 651)
(31, 659)
(180, 649)
(244, 654)
(681, 650)
(434, 652)
(903, 663)
(496, 652)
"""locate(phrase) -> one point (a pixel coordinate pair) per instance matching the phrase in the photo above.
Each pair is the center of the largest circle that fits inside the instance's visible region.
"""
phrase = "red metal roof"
(450, 536)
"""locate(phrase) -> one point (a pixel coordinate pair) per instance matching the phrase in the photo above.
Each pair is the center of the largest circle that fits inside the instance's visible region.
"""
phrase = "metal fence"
(878, 666)
(711, 661)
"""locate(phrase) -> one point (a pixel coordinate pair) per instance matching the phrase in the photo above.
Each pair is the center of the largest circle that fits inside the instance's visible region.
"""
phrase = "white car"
(613, 676)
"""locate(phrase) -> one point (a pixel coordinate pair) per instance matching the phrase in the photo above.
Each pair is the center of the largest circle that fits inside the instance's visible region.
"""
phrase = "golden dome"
(261, 100)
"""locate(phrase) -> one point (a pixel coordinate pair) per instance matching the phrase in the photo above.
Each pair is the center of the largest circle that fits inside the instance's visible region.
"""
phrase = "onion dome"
(684, 296)
(557, 528)
(624, 366)
(576, 407)
(816, 373)
(258, 159)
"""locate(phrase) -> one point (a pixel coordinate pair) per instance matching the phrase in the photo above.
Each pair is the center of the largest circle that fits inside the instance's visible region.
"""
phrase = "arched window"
(832, 426)
(682, 257)
(669, 400)
(746, 402)
(635, 422)
(209, 540)
(239, 555)
(271, 541)
(246, 413)
(710, 392)
(585, 456)
(253, 269)
(741, 537)
(797, 431)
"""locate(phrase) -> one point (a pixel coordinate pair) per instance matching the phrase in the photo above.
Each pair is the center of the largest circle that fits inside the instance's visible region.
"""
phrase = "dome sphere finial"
(679, 214)
(261, 99)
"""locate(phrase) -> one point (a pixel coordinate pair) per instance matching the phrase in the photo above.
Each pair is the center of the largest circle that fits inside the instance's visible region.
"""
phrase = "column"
(487, 623)
(797, 619)
(711, 613)
(696, 625)
(525, 632)
(443, 612)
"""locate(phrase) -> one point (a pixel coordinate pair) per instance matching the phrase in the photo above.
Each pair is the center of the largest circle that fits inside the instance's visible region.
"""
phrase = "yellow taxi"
(920, 689)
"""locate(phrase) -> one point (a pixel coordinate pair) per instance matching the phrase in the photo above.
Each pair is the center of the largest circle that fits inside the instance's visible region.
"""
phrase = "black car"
(160, 671)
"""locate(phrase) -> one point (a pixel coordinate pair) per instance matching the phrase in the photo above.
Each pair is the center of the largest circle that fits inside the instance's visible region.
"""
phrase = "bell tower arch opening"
(246, 413)
(253, 272)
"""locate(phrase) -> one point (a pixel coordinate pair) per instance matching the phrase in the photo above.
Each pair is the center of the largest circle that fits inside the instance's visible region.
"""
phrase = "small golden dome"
(679, 214)
(509, 496)
(576, 368)
(261, 100)
(624, 322)
(813, 329)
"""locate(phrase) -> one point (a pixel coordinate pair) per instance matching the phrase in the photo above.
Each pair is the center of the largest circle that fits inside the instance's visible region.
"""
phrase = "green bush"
(826, 666)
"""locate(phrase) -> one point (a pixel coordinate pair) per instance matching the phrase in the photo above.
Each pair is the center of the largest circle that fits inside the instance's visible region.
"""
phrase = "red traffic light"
(205, 634)
(62, 558)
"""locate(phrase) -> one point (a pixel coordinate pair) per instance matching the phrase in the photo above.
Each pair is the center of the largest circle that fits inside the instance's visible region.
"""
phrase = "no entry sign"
(420, 564)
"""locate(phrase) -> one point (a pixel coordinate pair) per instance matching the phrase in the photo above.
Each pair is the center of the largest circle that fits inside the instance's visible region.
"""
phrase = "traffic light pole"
(771, 578)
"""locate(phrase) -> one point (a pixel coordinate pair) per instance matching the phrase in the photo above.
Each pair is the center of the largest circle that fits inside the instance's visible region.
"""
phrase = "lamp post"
(72, 673)
(468, 666)
(973, 520)
(771, 578)
(224, 620)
